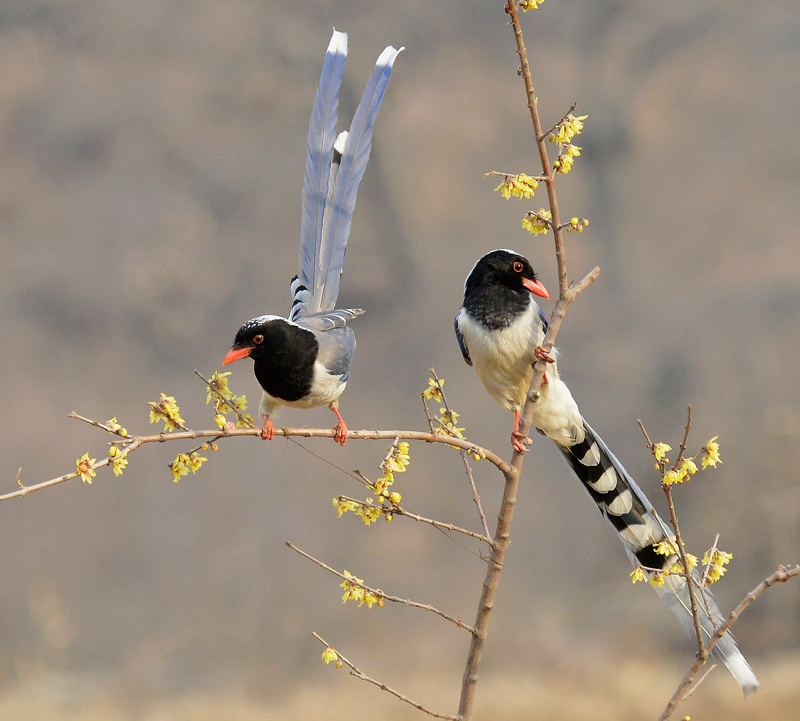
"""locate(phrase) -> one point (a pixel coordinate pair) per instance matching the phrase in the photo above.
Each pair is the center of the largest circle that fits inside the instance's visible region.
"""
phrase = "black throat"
(284, 362)
(495, 305)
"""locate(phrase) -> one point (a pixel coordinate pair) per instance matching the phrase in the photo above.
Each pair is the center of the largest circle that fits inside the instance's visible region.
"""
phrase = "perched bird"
(500, 330)
(304, 361)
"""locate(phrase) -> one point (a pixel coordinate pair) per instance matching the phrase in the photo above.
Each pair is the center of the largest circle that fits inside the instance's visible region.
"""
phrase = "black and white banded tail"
(639, 527)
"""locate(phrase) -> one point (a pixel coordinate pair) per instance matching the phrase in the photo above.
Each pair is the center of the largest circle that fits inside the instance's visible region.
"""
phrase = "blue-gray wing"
(462, 343)
(321, 136)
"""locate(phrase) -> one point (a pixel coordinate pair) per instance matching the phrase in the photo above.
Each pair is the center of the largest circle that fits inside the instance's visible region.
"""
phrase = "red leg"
(268, 431)
(541, 354)
(341, 427)
(518, 441)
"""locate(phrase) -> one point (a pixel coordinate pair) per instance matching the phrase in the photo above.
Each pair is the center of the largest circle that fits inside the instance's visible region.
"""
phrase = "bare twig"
(362, 676)
(377, 592)
(475, 496)
(782, 575)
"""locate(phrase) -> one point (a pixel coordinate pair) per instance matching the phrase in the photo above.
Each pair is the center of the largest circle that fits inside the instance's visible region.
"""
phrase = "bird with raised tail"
(500, 330)
(304, 361)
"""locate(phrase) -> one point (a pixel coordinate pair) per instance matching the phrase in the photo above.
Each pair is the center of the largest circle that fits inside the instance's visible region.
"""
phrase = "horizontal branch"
(133, 442)
(377, 592)
(361, 675)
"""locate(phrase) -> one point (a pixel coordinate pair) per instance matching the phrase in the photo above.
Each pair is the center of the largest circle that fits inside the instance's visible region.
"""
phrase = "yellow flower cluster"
(185, 462)
(577, 224)
(119, 460)
(449, 424)
(354, 591)
(660, 451)
(715, 564)
(518, 186)
(536, 223)
(711, 453)
(166, 410)
(680, 475)
(563, 163)
(530, 4)
(329, 655)
(226, 401)
(84, 465)
(567, 129)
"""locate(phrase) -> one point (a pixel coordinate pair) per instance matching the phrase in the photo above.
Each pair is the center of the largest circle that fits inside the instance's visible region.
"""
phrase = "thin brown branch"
(782, 575)
(475, 496)
(399, 510)
(512, 475)
(499, 174)
(135, 442)
(380, 594)
(363, 677)
(546, 133)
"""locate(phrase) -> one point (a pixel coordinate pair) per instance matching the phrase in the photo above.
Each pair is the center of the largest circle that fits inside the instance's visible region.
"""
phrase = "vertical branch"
(566, 295)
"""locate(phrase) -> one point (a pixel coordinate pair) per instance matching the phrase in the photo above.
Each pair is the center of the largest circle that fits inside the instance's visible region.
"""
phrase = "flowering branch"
(377, 593)
(782, 575)
(331, 654)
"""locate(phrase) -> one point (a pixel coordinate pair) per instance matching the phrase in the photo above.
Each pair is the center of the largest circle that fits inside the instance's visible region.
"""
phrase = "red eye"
(518, 267)
(259, 339)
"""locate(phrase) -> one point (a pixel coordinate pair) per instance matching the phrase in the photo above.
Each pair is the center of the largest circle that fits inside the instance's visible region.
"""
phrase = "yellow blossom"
(567, 129)
(657, 579)
(220, 420)
(665, 547)
(329, 655)
(84, 465)
(688, 467)
(672, 477)
(395, 497)
(518, 186)
(342, 506)
(119, 463)
(217, 386)
(434, 390)
(166, 410)
(530, 4)
(711, 453)
(536, 223)
(660, 451)
(179, 467)
(638, 575)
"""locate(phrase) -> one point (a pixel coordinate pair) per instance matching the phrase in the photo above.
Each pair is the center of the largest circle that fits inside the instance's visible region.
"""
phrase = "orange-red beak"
(534, 286)
(235, 354)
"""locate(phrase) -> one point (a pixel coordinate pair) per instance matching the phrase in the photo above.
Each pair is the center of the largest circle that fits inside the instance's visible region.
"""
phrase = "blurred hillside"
(152, 156)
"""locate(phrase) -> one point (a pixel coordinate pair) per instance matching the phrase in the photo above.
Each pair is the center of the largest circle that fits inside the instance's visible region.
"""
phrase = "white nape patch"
(591, 457)
(607, 482)
(260, 320)
(622, 503)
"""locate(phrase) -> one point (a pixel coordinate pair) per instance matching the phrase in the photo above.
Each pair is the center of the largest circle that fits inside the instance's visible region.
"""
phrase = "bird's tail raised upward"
(639, 527)
(332, 178)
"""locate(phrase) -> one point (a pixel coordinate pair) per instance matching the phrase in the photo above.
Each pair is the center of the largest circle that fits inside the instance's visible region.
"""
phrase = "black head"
(504, 268)
(250, 338)
(499, 288)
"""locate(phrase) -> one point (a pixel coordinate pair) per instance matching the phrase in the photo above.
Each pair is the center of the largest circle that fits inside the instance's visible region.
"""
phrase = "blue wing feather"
(321, 136)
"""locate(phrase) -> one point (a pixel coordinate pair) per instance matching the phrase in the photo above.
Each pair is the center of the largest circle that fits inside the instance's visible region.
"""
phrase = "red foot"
(518, 441)
(268, 431)
(340, 434)
(541, 354)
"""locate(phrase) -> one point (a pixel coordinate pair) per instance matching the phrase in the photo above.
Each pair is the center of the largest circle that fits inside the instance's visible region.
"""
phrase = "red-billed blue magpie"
(304, 361)
(500, 329)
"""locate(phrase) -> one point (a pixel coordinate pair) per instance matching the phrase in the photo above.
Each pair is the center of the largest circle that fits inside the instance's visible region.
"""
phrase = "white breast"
(504, 358)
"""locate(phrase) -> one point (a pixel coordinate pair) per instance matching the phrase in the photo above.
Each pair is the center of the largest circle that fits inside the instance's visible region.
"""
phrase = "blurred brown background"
(152, 156)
